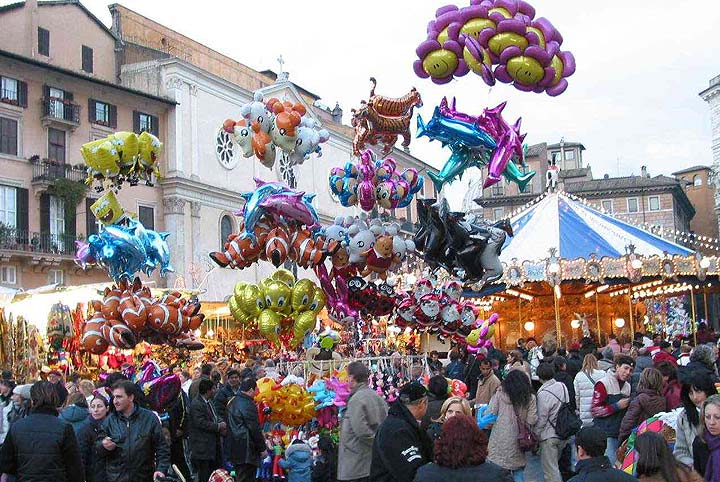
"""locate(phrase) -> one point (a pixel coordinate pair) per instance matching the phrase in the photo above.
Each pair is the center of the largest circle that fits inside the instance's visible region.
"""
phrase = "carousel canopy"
(576, 230)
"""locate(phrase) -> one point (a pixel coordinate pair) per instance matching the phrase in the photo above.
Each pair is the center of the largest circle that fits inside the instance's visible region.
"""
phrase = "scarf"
(712, 471)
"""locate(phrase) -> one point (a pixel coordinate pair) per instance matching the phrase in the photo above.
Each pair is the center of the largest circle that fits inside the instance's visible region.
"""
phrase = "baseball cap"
(411, 392)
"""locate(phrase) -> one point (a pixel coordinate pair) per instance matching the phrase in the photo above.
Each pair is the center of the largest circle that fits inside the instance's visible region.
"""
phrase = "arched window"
(226, 227)
(697, 180)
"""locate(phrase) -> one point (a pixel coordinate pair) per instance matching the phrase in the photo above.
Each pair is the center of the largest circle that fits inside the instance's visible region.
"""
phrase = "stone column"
(195, 220)
(174, 87)
(195, 149)
(174, 217)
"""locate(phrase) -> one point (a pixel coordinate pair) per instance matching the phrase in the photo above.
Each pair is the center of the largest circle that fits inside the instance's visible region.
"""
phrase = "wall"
(705, 222)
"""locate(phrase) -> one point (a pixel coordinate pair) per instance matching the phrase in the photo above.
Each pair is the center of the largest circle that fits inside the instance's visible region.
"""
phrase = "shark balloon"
(483, 141)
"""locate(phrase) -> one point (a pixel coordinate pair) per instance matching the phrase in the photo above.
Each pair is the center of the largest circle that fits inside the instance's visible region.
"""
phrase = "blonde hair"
(590, 364)
(464, 404)
(711, 400)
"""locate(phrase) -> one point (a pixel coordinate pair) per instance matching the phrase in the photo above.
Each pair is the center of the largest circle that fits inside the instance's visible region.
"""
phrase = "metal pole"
(632, 323)
(692, 306)
(597, 315)
(557, 319)
(707, 316)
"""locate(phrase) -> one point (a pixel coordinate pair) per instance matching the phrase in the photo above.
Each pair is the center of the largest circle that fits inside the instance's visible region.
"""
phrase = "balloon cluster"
(160, 390)
(383, 119)
(373, 181)
(369, 298)
(123, 156)
(367, 246)
(289, 404)
(124, 250)
(284, 309)
(505, 33)
(329, 395)
(272, 125)
(481, 334)
(129, 313)
(462, 244)
(483, 141)
(385, 385)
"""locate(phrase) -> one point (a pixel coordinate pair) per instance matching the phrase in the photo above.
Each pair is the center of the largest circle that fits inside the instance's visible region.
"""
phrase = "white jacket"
(584, 386)
(685, 434)
(4, 424)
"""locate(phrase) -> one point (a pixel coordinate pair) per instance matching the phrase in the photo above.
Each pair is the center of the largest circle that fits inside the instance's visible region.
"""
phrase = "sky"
(633, 100)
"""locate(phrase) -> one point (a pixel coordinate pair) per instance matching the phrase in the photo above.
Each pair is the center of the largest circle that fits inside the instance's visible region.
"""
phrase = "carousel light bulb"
(575, 324)
(620, 322)
(705, 263)
(554, 268)
(636, 264)
(210, 333)
(529, 326)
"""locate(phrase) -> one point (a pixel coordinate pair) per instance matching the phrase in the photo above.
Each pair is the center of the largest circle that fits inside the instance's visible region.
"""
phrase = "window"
(8, 206)
(8, 275)
(146, 216)
(43, 42)
(56, 276)
(607, 205)
(8, 136)
(10, 90)
(145, 122)
(498, 214)
(225, 229)
(654, 203)
(498, 189)
(56, 145)
(102, 113)
(697, 180)
(87, 59)
(569, 155)
(556, 156)
(632, 205)
(57, 223)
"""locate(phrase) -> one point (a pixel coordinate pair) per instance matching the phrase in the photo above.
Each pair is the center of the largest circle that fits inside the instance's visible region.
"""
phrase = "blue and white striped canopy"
(577, 230)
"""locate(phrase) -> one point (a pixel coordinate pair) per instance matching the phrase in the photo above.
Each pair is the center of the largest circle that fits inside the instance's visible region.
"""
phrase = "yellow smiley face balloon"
(440, 63)
(277, 296)
(525, 70)
(302, 295)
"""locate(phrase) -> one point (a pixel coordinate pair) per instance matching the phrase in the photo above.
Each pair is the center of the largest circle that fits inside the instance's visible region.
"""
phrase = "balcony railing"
(60, 109)
(17, 240)
(49, 171)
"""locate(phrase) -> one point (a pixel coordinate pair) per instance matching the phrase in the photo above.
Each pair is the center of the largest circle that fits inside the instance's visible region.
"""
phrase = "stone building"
(698, 185)
(711, 95)
(59, 91)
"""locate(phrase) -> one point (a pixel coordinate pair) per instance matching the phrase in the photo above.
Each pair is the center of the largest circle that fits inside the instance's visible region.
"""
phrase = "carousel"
(571, 270)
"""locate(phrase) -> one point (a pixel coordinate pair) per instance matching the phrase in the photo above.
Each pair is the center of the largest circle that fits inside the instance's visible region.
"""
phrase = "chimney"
(644, 171)
(32, 24)
(337, 113)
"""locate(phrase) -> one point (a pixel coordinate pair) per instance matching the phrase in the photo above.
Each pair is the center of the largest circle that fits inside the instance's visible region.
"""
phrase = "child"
(297, 461)
(325, 468)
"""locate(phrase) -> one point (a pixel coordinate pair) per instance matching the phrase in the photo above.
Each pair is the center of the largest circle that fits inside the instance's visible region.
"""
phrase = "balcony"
(60, 113)
(45, 172)
(42, 248)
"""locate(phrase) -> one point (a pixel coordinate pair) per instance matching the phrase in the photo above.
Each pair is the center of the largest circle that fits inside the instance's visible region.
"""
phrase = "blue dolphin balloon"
(252, 211)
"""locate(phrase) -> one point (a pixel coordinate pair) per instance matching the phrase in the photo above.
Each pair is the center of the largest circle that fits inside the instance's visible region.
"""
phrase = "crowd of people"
(573, 408)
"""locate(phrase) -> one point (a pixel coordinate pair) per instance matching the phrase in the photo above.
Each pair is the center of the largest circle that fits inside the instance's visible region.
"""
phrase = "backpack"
(567, 422)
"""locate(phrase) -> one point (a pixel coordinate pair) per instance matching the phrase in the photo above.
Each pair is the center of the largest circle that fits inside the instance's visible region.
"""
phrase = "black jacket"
(203, 430)
(486, 472)
(400, 447)
(246, 441)
(598, 469)
(94, 465)
(222, 397)
(141, 447)
(435, 404)
(42, 448)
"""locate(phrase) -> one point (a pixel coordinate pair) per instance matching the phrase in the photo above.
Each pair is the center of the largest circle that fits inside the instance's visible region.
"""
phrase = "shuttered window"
(8, 136)
(146, 216)
(56, 145)
(143, 122)
(43, 42)
(102, 113)
(87, 59)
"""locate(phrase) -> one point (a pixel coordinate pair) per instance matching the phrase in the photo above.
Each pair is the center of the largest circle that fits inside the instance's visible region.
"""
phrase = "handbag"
(526, 438)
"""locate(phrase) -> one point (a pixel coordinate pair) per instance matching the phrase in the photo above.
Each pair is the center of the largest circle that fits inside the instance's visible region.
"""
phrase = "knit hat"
(412, 392)
(23, 391)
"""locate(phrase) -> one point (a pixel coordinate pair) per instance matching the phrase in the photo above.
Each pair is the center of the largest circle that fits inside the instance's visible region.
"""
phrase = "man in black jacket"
(205, 430)
(593, 465)
(246, 441)
(40, 447)
(226, 392)
(132, 441)
(400, 445)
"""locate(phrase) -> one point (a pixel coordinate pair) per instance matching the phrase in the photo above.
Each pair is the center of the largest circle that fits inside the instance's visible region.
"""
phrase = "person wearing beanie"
(401, 446)
(592, 464)
(702, 361)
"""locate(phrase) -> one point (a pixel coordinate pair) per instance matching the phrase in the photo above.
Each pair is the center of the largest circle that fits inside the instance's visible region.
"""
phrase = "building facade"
(698, 185)
(57, 68)
(711, 95)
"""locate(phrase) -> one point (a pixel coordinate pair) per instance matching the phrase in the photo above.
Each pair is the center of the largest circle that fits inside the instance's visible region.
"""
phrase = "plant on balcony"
(72, 192)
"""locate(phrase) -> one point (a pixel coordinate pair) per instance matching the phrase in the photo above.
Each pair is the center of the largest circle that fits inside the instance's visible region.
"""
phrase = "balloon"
(382, 119)
(107, 209)
(480, 336)
(505, 33)
(481, 141)
(485, 419)
(457, 388)
(161, 391)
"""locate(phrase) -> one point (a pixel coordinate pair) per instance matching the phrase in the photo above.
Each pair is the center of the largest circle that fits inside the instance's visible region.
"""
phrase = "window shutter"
(87, 59)
(155, 128)
(43, 41)
(21, 216)
(70, 226)
(45, 214)
(91, 110)
(22, 94)
(90, 226)
(46, 91)
(136, 122)
(68, 95)
(113, 116)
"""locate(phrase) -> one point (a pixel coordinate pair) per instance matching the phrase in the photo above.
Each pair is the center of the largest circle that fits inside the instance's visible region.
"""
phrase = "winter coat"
(298, 462)
(364, 412)
(140, 450)
(4, 421)
(672, 394)
(686, 373)
(400, 447)
(486, 389)
(598, 469)
(565, 379)
(455, 370)
(503, 447)
(685, 434)
(684, 475)
(485, 472)
(584, 385)
(643, 406)
(222, 397)
(42, 448)
(245, 441)
(607, 415)
(94, 465)
(203, 430)
(550, 397)
(75, 416)
(435, 404)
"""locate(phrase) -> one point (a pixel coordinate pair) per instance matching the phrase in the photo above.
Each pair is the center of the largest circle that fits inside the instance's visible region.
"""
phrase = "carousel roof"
(577, 230)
